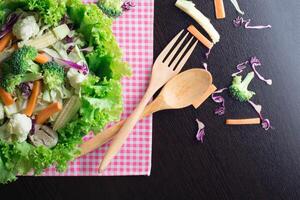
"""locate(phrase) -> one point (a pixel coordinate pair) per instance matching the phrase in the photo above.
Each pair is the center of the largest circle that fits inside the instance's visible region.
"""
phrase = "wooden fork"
(163, 70)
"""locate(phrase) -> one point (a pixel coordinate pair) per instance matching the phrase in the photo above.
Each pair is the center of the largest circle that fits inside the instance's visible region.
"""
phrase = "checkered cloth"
(134, 32)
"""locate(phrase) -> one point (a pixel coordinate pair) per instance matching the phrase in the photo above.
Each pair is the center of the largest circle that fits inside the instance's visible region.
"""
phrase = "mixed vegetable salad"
(60, 79)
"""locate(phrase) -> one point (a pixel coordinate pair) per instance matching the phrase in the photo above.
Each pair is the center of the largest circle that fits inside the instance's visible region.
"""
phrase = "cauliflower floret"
(75, 78)
(26, 28)
(18, 127)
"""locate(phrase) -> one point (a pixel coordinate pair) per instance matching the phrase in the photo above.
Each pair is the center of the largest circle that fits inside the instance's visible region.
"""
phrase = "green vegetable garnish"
(22, 60)
(112, 8)
(239, 89)
(53, 75)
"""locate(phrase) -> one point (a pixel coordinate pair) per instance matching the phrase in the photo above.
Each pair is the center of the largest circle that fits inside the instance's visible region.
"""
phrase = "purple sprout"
(127, 5)
(200, 133)
(220, 100)
(26, 89)
(265, 123)
(240, 21)
(8, 25)
(255, 62)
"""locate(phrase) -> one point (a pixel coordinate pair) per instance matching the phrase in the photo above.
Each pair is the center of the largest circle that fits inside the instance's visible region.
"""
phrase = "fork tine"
(163, 54)
(171, 56)
(185, 58)
(173, 65)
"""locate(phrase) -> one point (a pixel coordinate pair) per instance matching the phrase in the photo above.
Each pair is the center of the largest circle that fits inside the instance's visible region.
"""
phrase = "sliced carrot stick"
(192, 29)
(37, 85)
(6, 97)
(5, 41)
(44, 115)
(219, 9)
(42, 59)
(249, 121)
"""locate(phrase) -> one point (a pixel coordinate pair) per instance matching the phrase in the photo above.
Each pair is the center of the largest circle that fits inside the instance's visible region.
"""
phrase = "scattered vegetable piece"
(240, 67)
(31, 104)
(22, 61)
(255, 62)
(48, 38)
(82, 68)
(249, 121)
(5, 41)
(192, 29)
(8, 25)
(265, 123)
(219, 9)
(220, 100)
(69, 111)
(44, 136)
(42, 58)
(189, 8)
(17, 128)
(112, 8)
(127, 5)
(26, 28)
(239, 21)
(237, 7)
(239, 88)
(53, 75)
(201, 133)
(45, 114)
(6, 97)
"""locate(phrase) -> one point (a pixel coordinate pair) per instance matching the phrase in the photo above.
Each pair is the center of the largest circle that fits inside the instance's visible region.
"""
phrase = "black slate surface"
(233, 162)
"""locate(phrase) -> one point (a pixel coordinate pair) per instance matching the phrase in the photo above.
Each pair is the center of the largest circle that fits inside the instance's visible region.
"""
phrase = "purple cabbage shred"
(8, 25)
(200, 133)
(127, 5)
(26, 89)
(220, 100)
(82, 68)
(240, 21)
(265, 123)
(254, 62)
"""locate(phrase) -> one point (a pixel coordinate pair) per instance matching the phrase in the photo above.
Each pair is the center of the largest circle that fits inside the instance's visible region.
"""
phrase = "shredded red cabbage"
(82, 68)
(127, 5)
(87, 49)
(207, 53)
(254, 62)
(205, 66)
(200, 133)
(241, 68)
(265, 123)
(26, 89)
(8, 25)
(33, 124)
(220, 100)
(239, 21)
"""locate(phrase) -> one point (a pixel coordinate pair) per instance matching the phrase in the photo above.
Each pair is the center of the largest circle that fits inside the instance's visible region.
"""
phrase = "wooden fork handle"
(127, 127)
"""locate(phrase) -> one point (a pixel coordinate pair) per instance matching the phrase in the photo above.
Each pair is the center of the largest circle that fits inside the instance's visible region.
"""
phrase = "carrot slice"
(248, 121)
(6, 97)
(219, 9)
(37, 85)
(44, 115)
(5, 41)
(42, 59)
(192, 29)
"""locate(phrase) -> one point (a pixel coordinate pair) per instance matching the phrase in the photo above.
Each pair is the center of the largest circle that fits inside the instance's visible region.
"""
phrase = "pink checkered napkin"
(134, 32)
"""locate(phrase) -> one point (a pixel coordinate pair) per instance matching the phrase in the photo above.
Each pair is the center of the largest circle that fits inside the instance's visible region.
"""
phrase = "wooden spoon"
(191, 87)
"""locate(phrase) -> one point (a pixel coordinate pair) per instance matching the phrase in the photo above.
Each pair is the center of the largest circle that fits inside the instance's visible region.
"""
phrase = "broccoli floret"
(112, 8)
(53, 75)
(9, 82)
(22, 61)
(239, 89)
